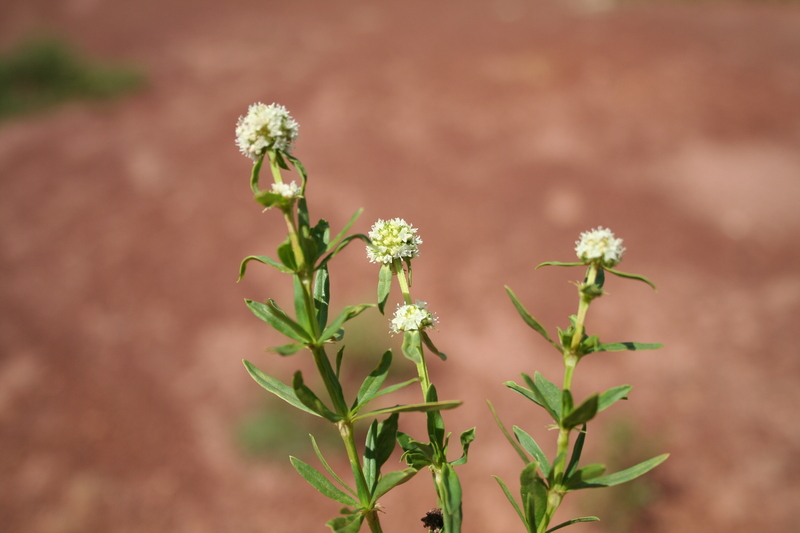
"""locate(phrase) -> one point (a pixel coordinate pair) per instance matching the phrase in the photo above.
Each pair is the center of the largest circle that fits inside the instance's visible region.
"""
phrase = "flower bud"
(412, 317)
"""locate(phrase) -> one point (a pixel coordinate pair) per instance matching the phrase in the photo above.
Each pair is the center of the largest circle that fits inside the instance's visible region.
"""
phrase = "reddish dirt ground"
(502, 129)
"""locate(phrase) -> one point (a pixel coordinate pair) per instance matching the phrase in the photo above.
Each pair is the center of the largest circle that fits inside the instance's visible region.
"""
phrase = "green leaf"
(585, 473)
(417, 448)
(612, 395)
(559, 263)
(346, 524)
(310, 400)
(385, 440)
(395, 387)
(384, 285)
(349, 312)
(261, 259)
(529, 320)
(341, 246)
(577, 449)
(632, 276)
(466, 439)
(533, 492)
(321, 483)
(339, 357)
(373, 382)
(412, 346)
(286, 255)
(287, 349)
(511, 499)
(550, 392)
(255, 173)
(532, 448)
(574, 521)
(429, 343)
(391, 480)
(322, 296)
(626, 346)
(450, 498)
(511, 441)
(624, 475)
(420, 407)
(345, 229)
(282, 391)
(582, 414)
(300, 305)
(275, 317)
(327, 466)
(435, 423)
(370, 466)
(300, 169)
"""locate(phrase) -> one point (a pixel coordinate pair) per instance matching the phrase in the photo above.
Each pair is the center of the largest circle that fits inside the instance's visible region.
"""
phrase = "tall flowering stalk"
(394, 244)
(544, 483)
(267, 133)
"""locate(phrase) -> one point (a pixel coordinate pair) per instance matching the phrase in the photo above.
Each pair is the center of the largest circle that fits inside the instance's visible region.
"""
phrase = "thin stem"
(397, 266)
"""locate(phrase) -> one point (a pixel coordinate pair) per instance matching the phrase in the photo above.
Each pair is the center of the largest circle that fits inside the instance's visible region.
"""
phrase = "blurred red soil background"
(502, 129)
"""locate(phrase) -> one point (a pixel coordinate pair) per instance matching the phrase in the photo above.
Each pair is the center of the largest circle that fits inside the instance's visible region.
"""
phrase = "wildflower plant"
(267, 134)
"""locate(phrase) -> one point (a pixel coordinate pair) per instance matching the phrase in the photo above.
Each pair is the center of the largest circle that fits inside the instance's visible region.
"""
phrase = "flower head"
(392, 239)
(599, 246)
(411, 317)
(287, 190)
(265, 127)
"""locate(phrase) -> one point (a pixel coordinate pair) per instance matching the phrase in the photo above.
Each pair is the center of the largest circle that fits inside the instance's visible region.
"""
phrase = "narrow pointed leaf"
(529, 320)
(577, 449)
(626, 346)
(321, 483)
(632, 276)
(385, 440)
(384, 285)
(345, 229)
(346, 524)
(282, 391)
(466, 439)
(322, 296)
(303, 320)
(511, 499)
(559, 263)
(527, 442)
(373, 381)
(585, 473)
(582, 414)
(287, 349)
(420, 407)
(450, 496)
(310, 400)
(612, 395)
(275, 317)
(261, 259)
(511, 441)
(550, 392)
(625, 475)
(339, 357)
(341, 246)
(327, 466)
(349, 312)
(574, 521)
(255, 174)
(370, 466)
(300, 169)
(391, 480)
(397, 386)
(429, 343)
(533, 492)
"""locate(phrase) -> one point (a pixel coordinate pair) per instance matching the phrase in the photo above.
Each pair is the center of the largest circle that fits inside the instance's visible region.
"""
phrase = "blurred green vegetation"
(44, 71)
(623, 508)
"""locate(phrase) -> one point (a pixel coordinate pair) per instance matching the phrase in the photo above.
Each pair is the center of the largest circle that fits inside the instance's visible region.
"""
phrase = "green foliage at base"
(44, 71)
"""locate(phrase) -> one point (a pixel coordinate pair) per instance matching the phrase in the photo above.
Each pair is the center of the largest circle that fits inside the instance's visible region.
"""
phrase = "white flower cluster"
(392, 239)
(599, 244)
(265, 127)
(412, 317)
(287, 190)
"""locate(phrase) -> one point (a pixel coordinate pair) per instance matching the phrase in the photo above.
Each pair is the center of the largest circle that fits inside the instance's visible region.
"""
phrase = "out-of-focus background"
(500, 128)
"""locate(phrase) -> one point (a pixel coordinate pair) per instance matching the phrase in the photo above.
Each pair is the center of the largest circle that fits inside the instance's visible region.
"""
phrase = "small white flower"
(599, 245)
(265, 127)
(412, 317)
(392, 239)
(287, 190)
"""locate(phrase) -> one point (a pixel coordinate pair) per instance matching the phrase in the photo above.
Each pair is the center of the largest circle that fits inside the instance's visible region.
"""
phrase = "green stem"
(364, 492)
(397, 266)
